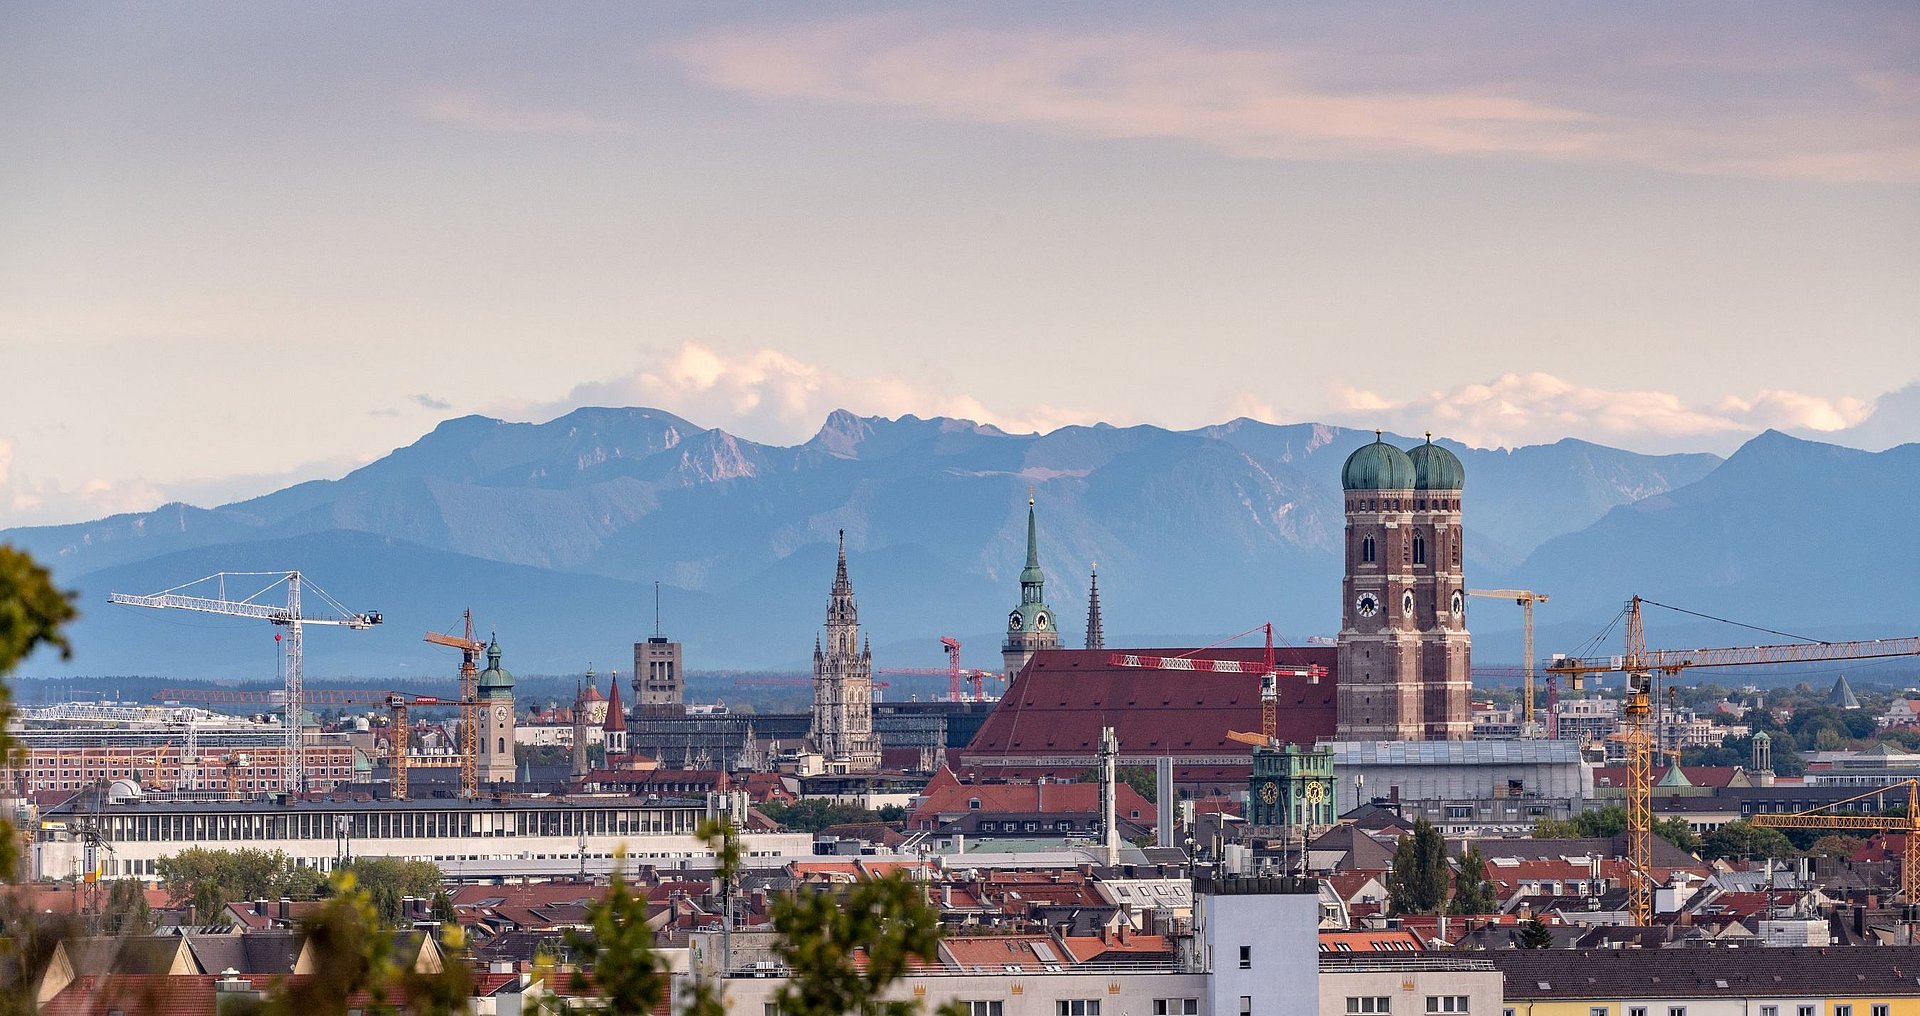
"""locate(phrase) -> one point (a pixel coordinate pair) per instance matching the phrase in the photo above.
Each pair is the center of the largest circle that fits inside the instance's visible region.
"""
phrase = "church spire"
(840, 582)
(1032, 575)
(1095, 639)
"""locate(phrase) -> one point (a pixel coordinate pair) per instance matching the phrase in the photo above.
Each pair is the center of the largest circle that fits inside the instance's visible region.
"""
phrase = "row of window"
(1369, 1005)
(1418, 504)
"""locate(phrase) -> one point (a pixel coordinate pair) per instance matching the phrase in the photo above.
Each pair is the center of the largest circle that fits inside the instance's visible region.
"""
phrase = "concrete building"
(1404, 650)
(1467, 787)
(842, 730)
(524, 837)
(659, 675)
(1032, 625)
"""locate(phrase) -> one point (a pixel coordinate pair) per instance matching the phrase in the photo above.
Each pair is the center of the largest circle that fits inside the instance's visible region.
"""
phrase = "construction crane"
(470, 650)
(1640, 664)
(1908, 824)
(1268, 672)
(291, 615)
(1526, 598)
(394, 701)
(953, 672)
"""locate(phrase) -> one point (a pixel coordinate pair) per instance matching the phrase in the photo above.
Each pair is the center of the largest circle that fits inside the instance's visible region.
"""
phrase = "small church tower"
(1031, 627)
(614, 729)
(496, 719)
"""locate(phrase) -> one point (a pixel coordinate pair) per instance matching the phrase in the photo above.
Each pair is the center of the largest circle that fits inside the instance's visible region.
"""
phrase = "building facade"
(1404, 652)
(842, 729)
(496, 720)
(658, 681)
(1032, 625)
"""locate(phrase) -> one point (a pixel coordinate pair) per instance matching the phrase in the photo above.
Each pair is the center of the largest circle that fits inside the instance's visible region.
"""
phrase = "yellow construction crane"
(1526, 598)
(1639, 664)
(1909, 824)
(470, 651)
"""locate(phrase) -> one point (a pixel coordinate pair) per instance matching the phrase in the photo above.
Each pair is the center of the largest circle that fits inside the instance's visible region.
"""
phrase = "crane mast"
(1526, 598)
(470, 650)
(1640, 664)
(291, 616)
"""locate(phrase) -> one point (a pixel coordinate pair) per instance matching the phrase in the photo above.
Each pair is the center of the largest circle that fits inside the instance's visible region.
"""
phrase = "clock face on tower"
(501, 713)
(1458, 604)
(1367, 605)
(1040, 621)
(1316, 792)
(1406, 603)
(1270, 792)
(1013, 620)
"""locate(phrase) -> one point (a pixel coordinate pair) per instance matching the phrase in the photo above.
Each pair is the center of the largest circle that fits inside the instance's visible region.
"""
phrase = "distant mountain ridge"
(555, 532)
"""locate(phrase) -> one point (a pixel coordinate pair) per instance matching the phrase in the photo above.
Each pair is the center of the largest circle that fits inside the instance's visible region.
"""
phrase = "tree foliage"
(886, 921)
(1418, 882)
(127, 911)
(1534, 934)
(1835, 845)
(1143, 780)
(388, 881)
(32, 614)
(1743, 840)
(1610, 821)
(211, 879)
(1473, 893)
(814, 814)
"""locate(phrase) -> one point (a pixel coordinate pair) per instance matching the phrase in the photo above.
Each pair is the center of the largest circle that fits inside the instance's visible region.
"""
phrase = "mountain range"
(555, 533)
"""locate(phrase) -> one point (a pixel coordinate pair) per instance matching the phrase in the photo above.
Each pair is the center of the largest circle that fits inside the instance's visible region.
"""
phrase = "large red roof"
(1060, 700)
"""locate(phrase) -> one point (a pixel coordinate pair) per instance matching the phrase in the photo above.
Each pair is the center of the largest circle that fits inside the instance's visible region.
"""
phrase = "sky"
(244, 245)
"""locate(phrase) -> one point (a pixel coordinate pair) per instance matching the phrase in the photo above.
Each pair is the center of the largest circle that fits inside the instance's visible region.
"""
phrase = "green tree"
(1143, 780)
(211, 879)
(887, 921)
(1610, 821)
(1418, 882)
(1534, 934)
(1743, 840)
(127, 911)
(1676, 831)
(32, 614)
(814, 814)
(1472, 892)
(388, 881)
(1835, 845)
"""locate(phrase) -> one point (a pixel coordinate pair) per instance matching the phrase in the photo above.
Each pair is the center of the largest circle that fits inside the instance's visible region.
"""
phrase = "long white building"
(476, 840)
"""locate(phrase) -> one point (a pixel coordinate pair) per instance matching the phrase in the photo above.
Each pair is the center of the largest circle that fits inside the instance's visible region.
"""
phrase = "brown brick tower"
(1440, 591)
(1379, 649)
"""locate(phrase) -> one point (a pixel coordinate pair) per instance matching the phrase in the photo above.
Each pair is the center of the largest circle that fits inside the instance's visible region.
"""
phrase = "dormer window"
(973, 804)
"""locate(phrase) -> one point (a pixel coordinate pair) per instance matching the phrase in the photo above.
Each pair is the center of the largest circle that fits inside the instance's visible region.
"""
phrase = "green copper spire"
(1032, 572)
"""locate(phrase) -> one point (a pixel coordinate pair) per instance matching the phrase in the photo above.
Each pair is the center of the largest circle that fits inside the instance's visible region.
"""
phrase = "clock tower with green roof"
(1031, 626)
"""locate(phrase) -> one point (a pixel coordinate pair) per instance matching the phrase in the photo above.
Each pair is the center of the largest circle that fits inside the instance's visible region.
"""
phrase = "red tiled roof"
(945, 798)
(1699, 776)
(1396, 940)
(616, 717)
(1060, 700)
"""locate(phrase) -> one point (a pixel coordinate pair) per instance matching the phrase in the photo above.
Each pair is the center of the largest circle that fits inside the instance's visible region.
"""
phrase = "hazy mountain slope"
(556, 532)
(1804, 537)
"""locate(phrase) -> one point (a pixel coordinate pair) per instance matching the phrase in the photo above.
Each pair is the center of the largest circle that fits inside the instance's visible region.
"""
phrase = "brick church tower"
(1440, 594)
(1403, 649)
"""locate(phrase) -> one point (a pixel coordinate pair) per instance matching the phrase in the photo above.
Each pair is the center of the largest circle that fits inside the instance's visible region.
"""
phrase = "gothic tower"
(1380, 694)
(1440, 594)
(1095, 638)
(1031, 627)
(842, 730)
(496, 719)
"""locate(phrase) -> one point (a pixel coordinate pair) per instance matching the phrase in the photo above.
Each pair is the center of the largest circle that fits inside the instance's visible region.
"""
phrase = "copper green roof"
(1377, 466)
(495, 678)
(1435, 468)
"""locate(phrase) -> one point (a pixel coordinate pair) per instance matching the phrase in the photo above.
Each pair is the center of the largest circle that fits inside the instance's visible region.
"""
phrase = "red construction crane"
(953, 672)
(1267, 671)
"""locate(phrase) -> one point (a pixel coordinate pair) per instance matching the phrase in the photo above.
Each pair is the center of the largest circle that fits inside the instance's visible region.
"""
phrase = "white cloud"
(1532, 408)
(767, 395)
(485, 113)
(1340, 99)
(35, 501)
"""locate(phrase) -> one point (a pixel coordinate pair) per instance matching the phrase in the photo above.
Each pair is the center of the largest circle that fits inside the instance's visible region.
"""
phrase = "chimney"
(1126, 932)
(286, 909)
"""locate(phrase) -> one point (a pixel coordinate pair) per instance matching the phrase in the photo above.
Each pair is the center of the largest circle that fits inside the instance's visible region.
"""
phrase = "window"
(1843, 1010)
(1676, 1010)
(1369, 1004)
(1880, 1009)
(1639, 1010)
(1446, 1003)
(1246, 957)
(1246, 1005)
(973, 804)
(1366, 550)
(991, 1007)
(1805, 1010)
(1166, 1007)
(1077, 1007)
(1769, 1010)
(1419, 549)
(1598, 1010)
